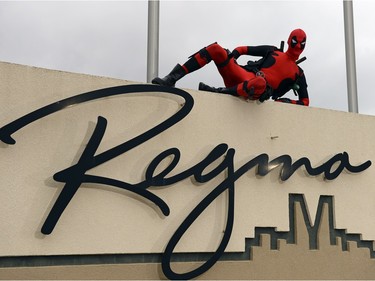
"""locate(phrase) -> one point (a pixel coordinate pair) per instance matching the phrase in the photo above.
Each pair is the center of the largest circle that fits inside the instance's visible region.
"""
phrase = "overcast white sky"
(110, 39)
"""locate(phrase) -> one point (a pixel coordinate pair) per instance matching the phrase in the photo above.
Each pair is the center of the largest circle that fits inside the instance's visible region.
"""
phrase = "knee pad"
(198, 59)
(204, 54)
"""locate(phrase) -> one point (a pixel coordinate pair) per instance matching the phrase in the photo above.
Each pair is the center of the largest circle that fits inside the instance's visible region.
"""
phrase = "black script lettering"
(196, 171)
(288, 168)
(76, 175)
(264, 167)
(7, 130)
(227, 184)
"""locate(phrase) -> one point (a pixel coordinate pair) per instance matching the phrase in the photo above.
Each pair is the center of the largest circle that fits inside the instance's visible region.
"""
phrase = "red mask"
(296, 42)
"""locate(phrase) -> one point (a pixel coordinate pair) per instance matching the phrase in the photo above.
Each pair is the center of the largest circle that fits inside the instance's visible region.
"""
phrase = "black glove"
(285, 100)
(267, 94)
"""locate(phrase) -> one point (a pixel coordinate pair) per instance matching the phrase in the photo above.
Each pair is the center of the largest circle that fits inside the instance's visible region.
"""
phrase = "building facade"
(109, 179)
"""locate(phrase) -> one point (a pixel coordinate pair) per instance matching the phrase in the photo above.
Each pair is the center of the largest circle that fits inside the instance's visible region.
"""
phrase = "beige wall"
(102, 220)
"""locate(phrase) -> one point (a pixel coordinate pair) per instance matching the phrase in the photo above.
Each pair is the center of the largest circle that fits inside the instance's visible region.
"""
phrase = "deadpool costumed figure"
(272, 76)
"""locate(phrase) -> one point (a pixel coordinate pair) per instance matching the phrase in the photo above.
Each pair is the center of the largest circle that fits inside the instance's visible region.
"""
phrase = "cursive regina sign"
(220, 160)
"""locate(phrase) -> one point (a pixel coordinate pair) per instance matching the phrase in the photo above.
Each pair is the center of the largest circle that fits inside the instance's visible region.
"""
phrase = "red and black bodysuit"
(274, 75)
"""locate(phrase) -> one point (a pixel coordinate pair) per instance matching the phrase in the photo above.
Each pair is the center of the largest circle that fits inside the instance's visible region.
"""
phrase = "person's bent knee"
(217, 53)
(253, 88)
